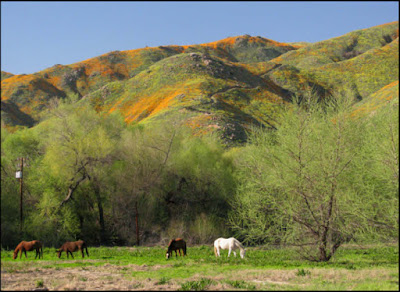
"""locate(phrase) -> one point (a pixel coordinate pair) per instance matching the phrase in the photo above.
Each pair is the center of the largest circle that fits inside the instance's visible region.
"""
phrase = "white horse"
(228, 243)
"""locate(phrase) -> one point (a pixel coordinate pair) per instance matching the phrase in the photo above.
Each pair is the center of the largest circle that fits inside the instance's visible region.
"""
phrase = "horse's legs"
(87, 251)
(72, 254)
(234, 253)
(83, 255)
(229, 253)
(180, 252)
(37, 252)
(25, 253)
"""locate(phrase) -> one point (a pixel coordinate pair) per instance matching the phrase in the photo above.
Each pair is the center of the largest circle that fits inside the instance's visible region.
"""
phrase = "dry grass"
(113, 277)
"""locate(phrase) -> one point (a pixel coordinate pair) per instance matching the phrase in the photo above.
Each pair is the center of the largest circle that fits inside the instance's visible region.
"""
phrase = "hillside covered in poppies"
(225, 86)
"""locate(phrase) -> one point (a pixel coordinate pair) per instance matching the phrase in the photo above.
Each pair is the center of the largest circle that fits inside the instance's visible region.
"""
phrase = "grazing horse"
(228, 243)
(174, 245)
(72, 246)
(24, 246)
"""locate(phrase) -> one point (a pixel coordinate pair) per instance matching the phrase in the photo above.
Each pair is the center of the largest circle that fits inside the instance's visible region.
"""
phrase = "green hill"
(224, 86)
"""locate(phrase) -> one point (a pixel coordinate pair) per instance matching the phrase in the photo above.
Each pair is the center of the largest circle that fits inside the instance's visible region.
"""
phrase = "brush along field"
(354, 267)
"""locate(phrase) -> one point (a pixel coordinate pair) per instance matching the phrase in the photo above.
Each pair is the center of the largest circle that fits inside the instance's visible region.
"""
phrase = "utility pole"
(19, 175)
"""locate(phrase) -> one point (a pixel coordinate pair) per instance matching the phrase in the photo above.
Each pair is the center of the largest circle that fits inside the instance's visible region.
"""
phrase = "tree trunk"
(101, 212)
(137, 223)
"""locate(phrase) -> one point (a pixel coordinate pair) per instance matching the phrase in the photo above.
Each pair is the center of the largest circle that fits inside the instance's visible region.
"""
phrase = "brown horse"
(71, 246)
(24, 246)
(174, 245)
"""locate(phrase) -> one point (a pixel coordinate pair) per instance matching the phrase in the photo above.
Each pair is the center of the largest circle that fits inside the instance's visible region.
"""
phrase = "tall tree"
(305, 180)
(78, 144)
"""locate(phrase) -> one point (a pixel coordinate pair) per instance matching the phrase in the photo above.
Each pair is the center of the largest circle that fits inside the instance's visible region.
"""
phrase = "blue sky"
(37, 35)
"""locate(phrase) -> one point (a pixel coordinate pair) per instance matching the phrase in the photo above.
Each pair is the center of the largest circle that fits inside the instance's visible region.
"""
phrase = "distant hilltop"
(219, 86)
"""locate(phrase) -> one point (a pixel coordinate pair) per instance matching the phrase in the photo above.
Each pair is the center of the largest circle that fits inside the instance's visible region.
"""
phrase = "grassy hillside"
(140, 83)
(358, 63)
(5, 75)
(378, 99)
(223, 86)
(215, 94)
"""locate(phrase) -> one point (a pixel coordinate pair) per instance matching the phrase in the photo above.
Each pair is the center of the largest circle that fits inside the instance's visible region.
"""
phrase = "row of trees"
(95, 178)
(324, 177)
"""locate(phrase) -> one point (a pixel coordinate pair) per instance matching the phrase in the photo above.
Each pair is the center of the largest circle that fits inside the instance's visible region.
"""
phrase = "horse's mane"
(239, 243)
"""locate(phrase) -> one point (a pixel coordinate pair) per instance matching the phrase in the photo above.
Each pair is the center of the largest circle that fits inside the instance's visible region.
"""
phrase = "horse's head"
(15, 254)
(167, 255)
(242, 253)
(58, 251)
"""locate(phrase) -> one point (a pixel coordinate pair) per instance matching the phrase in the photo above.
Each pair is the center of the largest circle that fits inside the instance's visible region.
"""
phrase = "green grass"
(241, 284)
(286, 258)
(200, 270)
(200, 285)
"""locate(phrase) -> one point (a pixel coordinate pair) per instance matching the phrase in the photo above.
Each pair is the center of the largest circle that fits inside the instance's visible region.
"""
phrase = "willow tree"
(303, 183)
(78, 145)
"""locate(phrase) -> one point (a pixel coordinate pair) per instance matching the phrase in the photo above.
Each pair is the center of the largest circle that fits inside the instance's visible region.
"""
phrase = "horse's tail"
(184, 250)
(86, 250)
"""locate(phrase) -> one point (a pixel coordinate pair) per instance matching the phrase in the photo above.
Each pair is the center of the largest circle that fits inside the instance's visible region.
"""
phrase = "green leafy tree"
(23, 143)
(304, 180)
(378, 173)
(78, 143)
(197, 186)
(142, 156)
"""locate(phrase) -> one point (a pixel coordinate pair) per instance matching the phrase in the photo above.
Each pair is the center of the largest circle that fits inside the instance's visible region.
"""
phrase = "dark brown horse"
(174, 245)
(71, 246)
(24, 246)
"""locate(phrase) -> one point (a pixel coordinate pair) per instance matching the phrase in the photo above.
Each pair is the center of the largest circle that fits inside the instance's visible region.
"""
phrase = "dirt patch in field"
(114, 277)
(106, 277)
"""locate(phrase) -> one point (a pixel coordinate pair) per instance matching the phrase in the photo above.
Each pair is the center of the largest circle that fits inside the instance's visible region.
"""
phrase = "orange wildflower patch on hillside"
(201, 124)
(230, 41)
(377, 99)
(10, 84)
(55, 81)
(147, 106)
(386, 92)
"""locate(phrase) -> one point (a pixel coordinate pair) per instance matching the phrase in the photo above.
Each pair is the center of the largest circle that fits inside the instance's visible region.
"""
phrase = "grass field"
(145, 268)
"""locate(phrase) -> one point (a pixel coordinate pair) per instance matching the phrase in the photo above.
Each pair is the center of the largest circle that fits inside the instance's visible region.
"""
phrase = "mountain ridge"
(227, 84)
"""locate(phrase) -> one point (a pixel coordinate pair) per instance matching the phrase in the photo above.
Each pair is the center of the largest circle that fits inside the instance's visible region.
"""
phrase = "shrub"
(39, 284)
(200, 285)
(240, 284)
(302, 272)
(163, 280)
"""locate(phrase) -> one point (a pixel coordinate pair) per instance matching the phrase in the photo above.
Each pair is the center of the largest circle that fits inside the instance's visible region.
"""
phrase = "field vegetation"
(355, 267)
